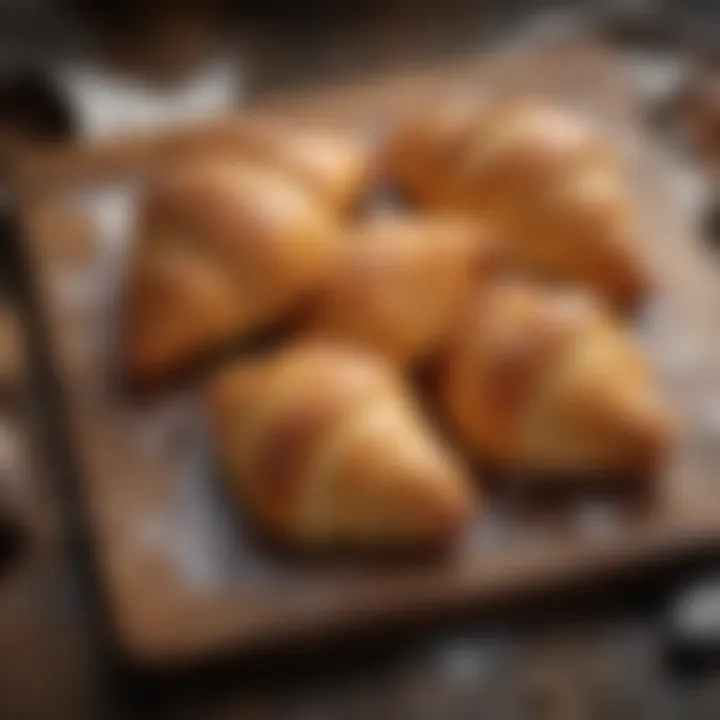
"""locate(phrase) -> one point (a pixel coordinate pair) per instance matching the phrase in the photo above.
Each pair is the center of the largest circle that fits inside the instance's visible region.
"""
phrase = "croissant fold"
(334, 167)
(542, 382)
(326, 447)
(224, 249)
(554, 191)
(400, 283)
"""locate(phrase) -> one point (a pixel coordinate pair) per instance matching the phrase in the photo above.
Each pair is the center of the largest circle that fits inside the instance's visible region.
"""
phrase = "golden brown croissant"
(335, 167)
(542, 382)
(423, 156)
(326, 447)
(224, 249)
(552, 188)
(400, 282)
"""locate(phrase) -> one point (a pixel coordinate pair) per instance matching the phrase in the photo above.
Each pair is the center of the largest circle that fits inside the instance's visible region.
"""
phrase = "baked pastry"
(327, 448)
(336, 167)
(401, 281)
(224, 248)
(423, 155)
(543, 382)
(552, 189)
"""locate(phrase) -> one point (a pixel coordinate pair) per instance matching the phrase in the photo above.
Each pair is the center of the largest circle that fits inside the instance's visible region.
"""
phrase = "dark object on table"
(11, 539)
(638, 24)
(712, 222)
(30, 99)
(695, 116)
(32, 112)
(692, 627)
(159, 40)
(697, 113)
(691, 117)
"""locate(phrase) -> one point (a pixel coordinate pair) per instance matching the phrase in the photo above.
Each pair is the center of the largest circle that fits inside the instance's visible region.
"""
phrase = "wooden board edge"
(585, 567)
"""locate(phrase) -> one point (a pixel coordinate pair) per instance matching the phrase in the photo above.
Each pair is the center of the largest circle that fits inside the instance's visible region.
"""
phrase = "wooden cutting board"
(183, 580)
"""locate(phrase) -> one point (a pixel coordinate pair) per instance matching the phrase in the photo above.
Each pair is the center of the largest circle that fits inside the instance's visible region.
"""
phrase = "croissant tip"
(644, 430)
(449, 513)
(651, 441)
(456, 517)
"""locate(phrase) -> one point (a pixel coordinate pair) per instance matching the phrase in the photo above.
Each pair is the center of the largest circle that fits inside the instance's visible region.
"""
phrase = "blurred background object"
(33, 114)
(156, 38)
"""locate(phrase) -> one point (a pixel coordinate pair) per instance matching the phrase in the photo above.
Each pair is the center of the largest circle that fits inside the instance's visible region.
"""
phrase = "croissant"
(326, 448)
(552, 189)
(400, 281)
(423, 155)
(335, 167)
(544, 382)
(224, 249)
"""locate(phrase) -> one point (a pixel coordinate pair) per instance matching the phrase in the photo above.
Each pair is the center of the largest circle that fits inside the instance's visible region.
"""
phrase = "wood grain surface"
(184, 580)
